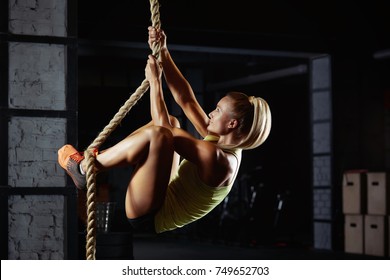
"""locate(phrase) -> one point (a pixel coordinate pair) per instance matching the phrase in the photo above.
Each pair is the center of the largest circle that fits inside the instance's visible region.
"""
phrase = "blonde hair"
(254, 133)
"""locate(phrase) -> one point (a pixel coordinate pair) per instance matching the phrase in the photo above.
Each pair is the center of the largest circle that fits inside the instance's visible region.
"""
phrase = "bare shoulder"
(215, 166)
(218, 166)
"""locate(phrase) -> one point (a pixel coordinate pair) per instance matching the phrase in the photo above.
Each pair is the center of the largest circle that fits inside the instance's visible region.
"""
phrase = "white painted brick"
(50, 206)
(51, 181)
(28, 256)
(17, 231)
(29, 245)
(31, 4)
(43, 221)
(325, 196)
(33, 143)
(56, 256)
(45, 255)
(322, 236)
(26, 153)
(49, 154)
(13, 252)
(12, 155)
(36, 225)
(322, 171)
(325, 212)
(321, 105)
(47, 4)
(36, 233)
(20, 181)
(322, 204)
(37, 76)
(45, 141)
(20, 206)
(38, 17)
(321, 73)
(59, 232)
(321, 138)
(51, 245)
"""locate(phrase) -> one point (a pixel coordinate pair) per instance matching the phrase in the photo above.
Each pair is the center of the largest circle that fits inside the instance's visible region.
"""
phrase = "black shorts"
(144, 223)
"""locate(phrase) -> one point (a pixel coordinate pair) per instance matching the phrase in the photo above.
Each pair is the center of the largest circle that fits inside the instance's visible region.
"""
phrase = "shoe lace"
(77, 157)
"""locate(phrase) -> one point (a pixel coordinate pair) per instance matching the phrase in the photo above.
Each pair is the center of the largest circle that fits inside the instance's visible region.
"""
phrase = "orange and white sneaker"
(69, 159)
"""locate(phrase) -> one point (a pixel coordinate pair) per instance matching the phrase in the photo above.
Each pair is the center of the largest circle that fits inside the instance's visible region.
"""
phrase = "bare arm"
(186, 145)
(212, 164)
(183, 94)
(158, 108)
(178, 85)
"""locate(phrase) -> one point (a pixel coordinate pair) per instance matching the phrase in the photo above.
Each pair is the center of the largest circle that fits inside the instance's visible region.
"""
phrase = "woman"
(163, 195)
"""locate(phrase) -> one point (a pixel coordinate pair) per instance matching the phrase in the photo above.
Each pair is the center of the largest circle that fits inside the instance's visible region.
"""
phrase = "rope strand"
(89, 153)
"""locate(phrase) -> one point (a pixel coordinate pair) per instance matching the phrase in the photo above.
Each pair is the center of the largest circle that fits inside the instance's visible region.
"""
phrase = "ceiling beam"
(252, 79)
(382, 54)
(91, 47)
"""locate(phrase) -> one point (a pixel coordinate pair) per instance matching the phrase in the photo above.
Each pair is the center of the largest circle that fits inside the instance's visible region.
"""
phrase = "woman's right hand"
(157, 36)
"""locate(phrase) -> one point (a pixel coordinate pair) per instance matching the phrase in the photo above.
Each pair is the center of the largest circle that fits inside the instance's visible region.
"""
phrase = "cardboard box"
(353, 234)
(354, 192)
(374, 235)
(377, 193)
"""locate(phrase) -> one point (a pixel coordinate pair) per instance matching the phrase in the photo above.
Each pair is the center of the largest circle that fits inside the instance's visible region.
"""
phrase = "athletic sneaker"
(69, 159)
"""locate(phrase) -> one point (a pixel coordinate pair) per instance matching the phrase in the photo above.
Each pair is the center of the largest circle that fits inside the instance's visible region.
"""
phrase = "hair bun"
(261, 125)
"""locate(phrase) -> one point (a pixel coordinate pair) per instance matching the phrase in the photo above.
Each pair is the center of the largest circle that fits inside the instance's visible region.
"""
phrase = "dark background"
(282, 34)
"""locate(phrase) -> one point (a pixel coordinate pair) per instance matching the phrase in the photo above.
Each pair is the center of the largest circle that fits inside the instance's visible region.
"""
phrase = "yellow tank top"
(188, 198)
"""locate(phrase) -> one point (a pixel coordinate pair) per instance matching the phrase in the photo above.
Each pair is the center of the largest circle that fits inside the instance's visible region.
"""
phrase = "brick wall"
(322, 148)
(37, 17)
(36, 227)
(32, 152)
(37, 75)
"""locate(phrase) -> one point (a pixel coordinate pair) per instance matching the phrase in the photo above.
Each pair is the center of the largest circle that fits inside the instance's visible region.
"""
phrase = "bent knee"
(160, 134)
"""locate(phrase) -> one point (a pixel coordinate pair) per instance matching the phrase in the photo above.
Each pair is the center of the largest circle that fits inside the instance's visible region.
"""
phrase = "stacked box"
(365, 207)
(374, 235)
(354, 206)
(377, 193)
(354, 192)
(353, 237)
(376, 229)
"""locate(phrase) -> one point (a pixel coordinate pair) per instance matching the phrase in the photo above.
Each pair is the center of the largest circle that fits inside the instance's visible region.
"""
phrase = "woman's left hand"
(153, 70)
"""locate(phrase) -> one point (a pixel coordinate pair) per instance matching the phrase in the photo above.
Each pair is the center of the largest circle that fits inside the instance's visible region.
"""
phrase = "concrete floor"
(180, 248)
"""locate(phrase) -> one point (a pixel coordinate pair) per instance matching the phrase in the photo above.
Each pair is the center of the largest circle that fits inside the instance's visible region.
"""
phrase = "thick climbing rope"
(90, 152)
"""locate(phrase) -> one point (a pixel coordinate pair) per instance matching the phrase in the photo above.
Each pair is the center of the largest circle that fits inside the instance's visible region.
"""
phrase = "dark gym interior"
(270, 49)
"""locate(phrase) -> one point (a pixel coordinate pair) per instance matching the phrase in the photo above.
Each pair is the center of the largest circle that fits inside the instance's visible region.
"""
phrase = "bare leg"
(140, 199)
(176, 157)
(148, 185)
(150, 150)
